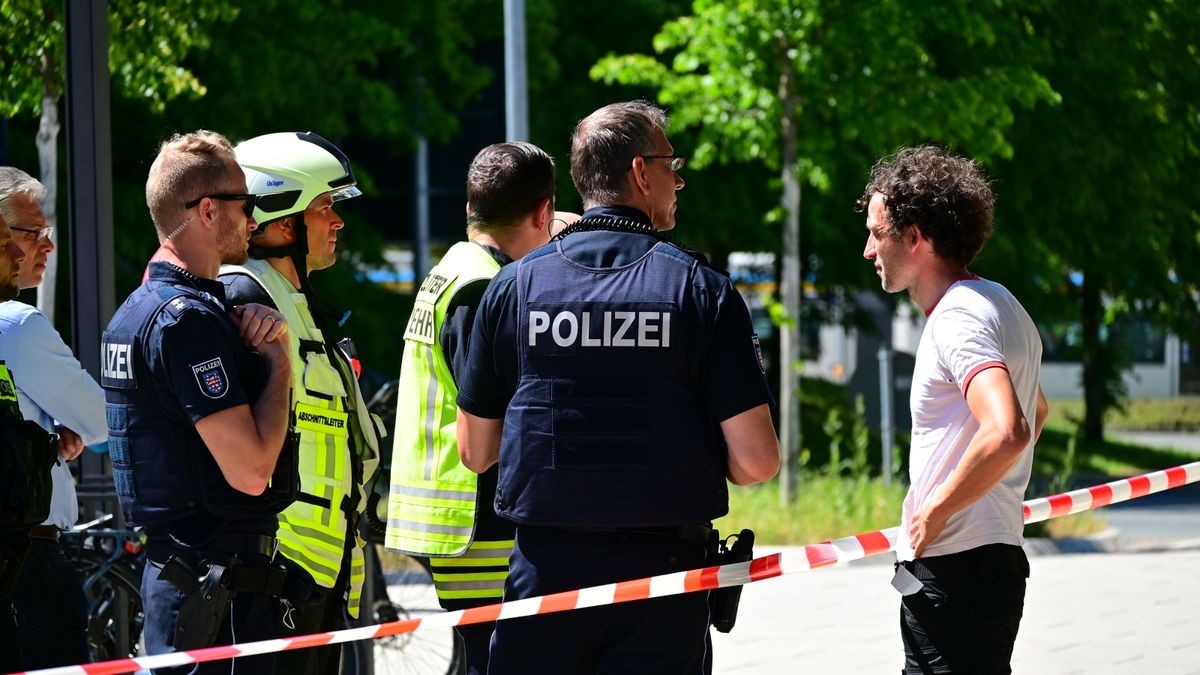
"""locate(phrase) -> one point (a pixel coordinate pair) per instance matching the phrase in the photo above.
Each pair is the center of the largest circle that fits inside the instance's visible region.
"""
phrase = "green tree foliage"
(147, 43)
(720, 207)
(868, 76)
(368, 72)
(1103, 185)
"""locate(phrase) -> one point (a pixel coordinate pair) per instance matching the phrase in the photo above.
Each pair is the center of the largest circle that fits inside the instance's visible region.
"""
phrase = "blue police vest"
(606, 429)
(162, 469)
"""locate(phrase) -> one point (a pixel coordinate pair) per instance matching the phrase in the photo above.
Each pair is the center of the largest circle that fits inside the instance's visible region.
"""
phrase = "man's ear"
(640, 182)
(287, 225)
(914, 237)
(208, 211)
(545, 213)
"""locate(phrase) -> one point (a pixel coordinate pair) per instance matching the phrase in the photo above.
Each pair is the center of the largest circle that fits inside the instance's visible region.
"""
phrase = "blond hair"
(187, 166)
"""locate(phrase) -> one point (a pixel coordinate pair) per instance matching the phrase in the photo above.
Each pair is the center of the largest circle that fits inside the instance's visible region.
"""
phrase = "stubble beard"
(233, 245)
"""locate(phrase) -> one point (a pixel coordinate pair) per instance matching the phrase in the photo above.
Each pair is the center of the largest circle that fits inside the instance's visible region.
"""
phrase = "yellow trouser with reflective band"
(459, 578)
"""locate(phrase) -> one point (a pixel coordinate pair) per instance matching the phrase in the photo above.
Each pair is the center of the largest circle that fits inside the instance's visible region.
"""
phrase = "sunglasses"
(247, 207)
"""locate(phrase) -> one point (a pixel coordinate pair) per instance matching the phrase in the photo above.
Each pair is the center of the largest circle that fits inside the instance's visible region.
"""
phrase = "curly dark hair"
(945, 196)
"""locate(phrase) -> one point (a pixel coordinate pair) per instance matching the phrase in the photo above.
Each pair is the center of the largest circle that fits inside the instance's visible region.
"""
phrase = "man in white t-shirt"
(977, 410)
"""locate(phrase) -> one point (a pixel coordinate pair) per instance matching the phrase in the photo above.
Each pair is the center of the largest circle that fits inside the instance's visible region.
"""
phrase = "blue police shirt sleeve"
(734, 381)
(200, 366)
(455, 338)
(488, 380)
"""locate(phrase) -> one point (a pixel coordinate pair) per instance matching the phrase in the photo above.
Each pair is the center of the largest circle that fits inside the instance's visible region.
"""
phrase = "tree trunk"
(790, 291)
(1093, 368)
(47, 144)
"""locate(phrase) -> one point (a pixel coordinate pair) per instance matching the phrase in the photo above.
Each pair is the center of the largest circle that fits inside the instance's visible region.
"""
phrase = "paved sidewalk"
(1086, 613)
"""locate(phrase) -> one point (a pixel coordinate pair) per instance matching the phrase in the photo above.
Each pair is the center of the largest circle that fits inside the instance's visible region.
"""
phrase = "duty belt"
(221, 546)
(50, 532)
(183, 565)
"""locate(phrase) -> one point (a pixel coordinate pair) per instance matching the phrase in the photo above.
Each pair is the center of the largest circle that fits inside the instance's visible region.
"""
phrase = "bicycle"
(111, 562)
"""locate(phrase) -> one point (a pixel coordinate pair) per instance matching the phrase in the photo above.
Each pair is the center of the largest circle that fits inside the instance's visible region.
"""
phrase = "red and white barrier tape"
(789, 562)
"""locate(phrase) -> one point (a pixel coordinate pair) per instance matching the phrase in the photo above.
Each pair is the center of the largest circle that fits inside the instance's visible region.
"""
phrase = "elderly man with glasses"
(57, 393)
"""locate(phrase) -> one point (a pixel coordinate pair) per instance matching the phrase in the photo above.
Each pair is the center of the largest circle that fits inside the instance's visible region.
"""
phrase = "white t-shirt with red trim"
(976, 325)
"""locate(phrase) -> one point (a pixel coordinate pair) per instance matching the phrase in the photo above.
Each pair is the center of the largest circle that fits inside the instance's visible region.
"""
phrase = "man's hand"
(924, 527)
(264, 330)
(70, 444)
(259, 324)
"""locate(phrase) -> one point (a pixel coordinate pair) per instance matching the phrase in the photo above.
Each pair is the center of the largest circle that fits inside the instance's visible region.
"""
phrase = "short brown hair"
(506, 182)
(605, 143)
(187, 166)
(947, 197)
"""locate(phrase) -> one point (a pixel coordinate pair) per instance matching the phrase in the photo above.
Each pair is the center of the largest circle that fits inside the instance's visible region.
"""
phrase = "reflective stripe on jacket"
(432, 501)
(332, 419)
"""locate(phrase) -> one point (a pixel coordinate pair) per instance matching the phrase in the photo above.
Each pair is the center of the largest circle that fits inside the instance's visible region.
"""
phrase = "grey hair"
(604, 144)
(14, 181)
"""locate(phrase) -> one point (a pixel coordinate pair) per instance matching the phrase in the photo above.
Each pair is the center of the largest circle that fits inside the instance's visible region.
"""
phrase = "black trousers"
(13, 545)
(325, 615)
(667, 635)
(965, 618)
(51, 608)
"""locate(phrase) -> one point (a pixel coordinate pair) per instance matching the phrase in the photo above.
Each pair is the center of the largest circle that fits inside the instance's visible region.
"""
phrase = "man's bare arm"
(246, 441)
(1039, 417)
(753, 446)
(478, 441)
(1003, 435)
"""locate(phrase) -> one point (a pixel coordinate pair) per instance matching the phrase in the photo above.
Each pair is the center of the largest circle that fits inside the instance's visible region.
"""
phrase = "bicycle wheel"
(114, 599)
(404, 591)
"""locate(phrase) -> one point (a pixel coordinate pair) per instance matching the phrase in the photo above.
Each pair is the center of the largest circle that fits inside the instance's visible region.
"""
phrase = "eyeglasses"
(247, 208)
(38, 234)
(677, 161)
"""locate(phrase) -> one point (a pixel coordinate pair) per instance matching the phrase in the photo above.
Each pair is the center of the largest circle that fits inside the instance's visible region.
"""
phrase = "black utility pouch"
(284, 487)
(723, 602)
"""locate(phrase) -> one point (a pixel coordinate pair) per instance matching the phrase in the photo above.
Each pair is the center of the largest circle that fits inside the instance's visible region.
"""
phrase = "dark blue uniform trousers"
(252, 617)
(661, 635)
(51, 608)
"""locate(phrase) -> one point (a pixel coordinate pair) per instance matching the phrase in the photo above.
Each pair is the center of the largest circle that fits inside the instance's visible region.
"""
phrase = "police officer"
(437, 507)
(26, 455)
(298, 178)
(198, 415)
(615, 377)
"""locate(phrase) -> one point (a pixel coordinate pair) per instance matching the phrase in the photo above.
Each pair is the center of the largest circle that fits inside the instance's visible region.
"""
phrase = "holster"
(203, 612)
(209, 597)
(723, 602)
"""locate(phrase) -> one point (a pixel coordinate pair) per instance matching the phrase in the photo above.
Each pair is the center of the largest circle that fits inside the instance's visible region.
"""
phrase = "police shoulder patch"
(211, 377)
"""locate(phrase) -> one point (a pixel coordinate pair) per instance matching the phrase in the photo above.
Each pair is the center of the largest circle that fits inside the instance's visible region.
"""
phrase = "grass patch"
(1108, 458)
(1077, 525)
(1139, 414)
(824, 508)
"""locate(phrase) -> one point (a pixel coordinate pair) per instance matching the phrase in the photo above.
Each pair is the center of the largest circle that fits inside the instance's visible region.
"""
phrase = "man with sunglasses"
(614, 377)
(57, 393)
(198, 396)
(299, 178)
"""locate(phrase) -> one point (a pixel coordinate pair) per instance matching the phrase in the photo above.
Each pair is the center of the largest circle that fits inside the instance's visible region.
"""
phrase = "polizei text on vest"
(610, 328)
